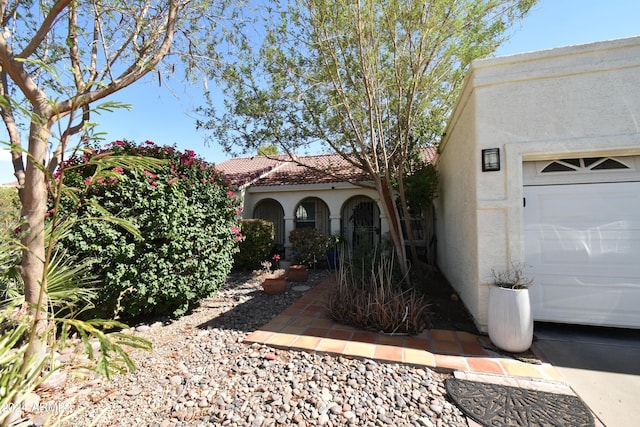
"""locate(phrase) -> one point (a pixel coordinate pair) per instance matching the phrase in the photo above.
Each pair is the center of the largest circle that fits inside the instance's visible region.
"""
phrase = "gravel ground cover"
(201, 373)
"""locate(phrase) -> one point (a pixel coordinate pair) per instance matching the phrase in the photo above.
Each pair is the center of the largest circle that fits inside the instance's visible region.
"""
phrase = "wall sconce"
(490, 159)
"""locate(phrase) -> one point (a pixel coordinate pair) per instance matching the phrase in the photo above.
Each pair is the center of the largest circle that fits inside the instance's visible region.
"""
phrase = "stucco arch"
(361, 222)
(312, 212)
(271, 210)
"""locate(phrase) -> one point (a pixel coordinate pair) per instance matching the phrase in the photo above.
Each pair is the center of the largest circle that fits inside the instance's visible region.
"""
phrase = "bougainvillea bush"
(185, 213)
(257, 244)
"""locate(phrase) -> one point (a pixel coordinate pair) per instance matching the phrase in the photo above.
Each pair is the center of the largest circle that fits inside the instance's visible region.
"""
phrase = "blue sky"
(165, 114)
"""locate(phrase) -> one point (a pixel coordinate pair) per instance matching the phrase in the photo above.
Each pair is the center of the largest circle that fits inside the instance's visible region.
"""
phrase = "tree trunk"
(407, 222)
(385, 190)
(34, 207)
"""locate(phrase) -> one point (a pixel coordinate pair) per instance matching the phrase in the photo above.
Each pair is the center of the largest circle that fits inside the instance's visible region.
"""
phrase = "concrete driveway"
(602, 365)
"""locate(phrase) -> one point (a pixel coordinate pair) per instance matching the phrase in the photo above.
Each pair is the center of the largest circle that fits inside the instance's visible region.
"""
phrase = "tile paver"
(360, 349)
(330, 345)
(485, 364)
(305, 325)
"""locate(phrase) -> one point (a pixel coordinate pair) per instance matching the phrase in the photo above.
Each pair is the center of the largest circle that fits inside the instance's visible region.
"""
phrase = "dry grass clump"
(371, 298)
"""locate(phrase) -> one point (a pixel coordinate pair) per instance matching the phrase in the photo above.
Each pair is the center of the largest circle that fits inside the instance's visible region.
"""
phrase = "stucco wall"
(334, 196)
(456, 212)
(579, 100)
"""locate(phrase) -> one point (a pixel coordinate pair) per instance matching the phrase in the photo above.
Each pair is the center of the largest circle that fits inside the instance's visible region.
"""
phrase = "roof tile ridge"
(269, 170)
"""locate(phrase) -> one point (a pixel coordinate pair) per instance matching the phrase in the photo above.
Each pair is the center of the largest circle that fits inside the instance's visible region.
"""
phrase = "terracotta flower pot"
(298, 273)
(274, 285)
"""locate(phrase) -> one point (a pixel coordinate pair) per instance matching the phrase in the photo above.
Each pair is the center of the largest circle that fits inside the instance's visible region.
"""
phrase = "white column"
(335, 224)
(289, 224)
(384, 226)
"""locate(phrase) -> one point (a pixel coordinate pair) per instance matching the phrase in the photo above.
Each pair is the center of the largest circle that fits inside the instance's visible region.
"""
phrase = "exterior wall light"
(490, 159)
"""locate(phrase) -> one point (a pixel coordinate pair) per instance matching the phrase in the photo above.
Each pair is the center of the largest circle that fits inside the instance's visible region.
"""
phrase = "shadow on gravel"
(242, 305)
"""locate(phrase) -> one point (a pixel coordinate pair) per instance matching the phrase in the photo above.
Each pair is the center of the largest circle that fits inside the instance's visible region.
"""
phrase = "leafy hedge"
(257, 244)
(309, 246)
(185, 213)
(9, 208)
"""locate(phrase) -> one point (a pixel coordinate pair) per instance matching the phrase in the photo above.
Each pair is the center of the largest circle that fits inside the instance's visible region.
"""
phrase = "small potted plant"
(510, 317)
(298, 273)
(333, 251)
(273, 277)
(308, 246)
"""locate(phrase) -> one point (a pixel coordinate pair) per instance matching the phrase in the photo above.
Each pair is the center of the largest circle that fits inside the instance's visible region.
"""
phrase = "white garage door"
(582, 240)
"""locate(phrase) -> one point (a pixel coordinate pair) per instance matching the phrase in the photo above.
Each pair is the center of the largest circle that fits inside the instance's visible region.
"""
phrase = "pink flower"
(87, 181)
(154, 183)
(149, 142)
(119, 143)
(276, 257)
(173, 180)
(235, 230)
(230, 193)
(118, 169)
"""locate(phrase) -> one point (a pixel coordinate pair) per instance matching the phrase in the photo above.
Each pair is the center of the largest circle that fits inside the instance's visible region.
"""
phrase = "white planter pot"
(510, 319)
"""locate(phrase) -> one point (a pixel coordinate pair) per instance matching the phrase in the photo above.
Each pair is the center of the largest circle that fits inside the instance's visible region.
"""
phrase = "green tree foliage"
(183, 210)
(9, 208)
(256, 245)
(268, 150)
(371, 80)
(59, 61)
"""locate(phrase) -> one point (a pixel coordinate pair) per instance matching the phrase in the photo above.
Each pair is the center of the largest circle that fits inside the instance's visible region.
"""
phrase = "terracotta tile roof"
(242, 170)
(318, 169)
(261, 171)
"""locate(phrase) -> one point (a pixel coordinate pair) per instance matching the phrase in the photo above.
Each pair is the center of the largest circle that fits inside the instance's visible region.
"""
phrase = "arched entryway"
(271, 210)
(361, 222)
(313, 212)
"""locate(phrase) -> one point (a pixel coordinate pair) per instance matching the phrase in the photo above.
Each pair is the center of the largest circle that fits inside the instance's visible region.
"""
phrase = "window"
(306, 215)
(584, 165)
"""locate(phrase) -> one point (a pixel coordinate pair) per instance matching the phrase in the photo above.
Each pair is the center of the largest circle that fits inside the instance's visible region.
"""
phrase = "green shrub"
(309, 246)
(9, 208)
(185, 213)
(257, 244)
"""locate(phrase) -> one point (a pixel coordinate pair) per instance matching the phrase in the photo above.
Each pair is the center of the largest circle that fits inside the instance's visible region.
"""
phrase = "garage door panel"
(603, 247)
(582, 247)
(567, 205)
(585, 303)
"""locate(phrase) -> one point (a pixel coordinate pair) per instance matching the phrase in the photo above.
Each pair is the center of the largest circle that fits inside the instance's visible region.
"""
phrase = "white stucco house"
(562, 130)
(323, 191)
(296, 193)
(539, 167)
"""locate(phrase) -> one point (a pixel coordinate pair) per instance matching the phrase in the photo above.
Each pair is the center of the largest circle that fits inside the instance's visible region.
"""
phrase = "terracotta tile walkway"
(305, 325)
